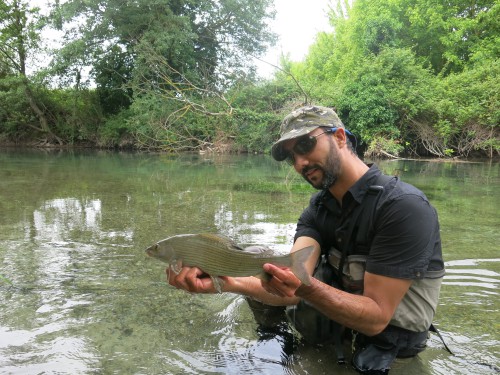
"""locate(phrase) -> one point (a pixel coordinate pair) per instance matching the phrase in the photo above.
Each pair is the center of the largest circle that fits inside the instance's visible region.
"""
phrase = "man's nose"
(300, 161)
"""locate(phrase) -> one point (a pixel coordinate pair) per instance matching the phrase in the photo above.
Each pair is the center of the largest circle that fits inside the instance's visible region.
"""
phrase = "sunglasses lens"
(304, 145)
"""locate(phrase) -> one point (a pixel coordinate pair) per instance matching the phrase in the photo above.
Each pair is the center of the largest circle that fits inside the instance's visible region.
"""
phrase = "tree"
(205, 41)
(20, 29)
(388, 66)
(147, 53)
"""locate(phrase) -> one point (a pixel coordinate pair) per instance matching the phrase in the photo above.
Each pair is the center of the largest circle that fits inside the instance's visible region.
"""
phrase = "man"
(378, 236)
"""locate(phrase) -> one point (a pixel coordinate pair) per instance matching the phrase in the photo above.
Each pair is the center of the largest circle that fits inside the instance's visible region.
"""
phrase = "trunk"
(19, 24)
(44, 124)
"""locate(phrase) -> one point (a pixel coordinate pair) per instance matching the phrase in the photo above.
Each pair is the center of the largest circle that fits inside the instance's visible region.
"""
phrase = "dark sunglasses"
(305, 145)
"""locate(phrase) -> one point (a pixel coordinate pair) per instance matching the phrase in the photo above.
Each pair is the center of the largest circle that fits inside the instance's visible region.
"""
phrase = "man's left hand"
(283, 282)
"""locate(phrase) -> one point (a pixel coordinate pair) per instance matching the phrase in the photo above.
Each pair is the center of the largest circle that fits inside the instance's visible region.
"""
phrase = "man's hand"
(283, 282)
(191, 279)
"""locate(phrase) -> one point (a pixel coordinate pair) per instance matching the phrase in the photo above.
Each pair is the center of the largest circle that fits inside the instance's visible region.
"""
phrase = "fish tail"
(299, 258)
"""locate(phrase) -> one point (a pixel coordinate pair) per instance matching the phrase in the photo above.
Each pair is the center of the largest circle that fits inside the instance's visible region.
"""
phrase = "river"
(79, 296)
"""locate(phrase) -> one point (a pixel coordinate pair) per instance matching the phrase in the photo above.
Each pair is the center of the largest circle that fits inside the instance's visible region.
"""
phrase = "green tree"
(144, 54)
(205, 41)
(20, 33)
(387, 68)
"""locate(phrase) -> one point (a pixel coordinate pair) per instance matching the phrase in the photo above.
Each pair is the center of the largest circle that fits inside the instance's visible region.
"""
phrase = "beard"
(330, 171)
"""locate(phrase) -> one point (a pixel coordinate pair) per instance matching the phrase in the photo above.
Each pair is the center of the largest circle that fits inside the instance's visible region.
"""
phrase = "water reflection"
(253, 227)
(56, 219)
(85, 299)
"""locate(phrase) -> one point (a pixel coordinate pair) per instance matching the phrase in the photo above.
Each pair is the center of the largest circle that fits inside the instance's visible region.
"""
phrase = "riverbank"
(479, 158)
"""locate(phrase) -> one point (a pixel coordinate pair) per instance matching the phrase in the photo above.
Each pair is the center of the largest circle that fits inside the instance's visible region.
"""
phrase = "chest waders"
(314, 326)
(344, 269)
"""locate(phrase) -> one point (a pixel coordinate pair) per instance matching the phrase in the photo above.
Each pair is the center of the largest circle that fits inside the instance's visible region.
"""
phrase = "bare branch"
(307, 99)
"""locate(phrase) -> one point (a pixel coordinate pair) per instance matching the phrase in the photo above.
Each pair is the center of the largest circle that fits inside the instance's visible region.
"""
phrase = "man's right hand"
(190, 279)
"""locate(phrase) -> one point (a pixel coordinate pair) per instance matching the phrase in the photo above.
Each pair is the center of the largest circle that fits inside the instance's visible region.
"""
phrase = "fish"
(217, 255)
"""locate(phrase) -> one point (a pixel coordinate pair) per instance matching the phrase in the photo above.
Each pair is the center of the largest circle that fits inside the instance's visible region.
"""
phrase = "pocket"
(356, 265)
(334, 257)
(354, 273)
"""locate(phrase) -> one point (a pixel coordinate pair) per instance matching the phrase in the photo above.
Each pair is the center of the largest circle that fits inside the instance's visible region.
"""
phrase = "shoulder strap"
(369, 206)
(364, 233)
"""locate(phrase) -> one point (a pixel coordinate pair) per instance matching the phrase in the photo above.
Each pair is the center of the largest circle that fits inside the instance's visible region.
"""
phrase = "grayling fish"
(219, 256)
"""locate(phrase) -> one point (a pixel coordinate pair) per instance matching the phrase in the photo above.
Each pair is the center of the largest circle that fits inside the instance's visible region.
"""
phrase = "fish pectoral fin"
(176, 265)
(218, 283)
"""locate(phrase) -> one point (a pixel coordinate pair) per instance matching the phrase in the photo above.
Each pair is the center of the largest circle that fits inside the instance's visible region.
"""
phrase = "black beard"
(330, 172)
(328, 178)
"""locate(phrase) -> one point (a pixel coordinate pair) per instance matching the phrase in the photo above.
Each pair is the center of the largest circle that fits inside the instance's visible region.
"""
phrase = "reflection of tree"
(252, 227)
(57, 219)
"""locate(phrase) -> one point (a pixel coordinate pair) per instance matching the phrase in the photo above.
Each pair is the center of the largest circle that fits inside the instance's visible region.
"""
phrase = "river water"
(78, 295)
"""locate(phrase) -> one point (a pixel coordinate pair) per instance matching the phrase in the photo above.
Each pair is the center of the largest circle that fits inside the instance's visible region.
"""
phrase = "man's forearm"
(354, 311)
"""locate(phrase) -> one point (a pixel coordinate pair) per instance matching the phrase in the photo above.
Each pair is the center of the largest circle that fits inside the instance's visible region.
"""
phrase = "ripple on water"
(467, 316)
(460, 273)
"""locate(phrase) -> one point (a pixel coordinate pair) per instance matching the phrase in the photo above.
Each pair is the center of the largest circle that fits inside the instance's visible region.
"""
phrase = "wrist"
(234, 285)
(304, 291)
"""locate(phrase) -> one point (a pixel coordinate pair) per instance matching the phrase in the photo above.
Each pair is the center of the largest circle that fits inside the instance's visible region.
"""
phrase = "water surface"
(80, 297)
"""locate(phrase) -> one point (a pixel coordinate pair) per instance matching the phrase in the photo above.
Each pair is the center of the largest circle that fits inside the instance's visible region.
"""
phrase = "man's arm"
(369, 313)
(194, 280)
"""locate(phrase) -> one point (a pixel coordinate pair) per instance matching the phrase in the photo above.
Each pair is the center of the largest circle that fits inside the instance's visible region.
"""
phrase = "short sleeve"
(406, 234)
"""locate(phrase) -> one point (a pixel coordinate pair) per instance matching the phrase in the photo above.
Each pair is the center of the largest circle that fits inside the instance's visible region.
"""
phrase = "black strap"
(347, 244)
(432, 328)
(369, 204)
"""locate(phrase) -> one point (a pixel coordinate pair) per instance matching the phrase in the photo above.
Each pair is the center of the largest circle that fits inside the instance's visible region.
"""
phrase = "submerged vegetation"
(415, 77)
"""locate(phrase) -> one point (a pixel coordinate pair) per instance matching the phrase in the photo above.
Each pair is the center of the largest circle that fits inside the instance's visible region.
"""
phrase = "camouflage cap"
(304, 120)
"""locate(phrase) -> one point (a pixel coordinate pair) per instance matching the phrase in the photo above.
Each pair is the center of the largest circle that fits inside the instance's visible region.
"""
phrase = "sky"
(297, 22)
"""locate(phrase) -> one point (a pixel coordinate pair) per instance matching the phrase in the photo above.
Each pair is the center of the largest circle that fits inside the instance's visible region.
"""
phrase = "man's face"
(321, 166)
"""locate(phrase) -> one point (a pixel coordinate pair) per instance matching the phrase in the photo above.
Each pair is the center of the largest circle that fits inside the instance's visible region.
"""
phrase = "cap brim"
(277, 151)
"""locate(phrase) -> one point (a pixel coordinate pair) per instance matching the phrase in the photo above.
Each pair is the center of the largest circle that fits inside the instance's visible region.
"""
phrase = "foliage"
(406, 76)
(15, 113)
(381, 147)
(470, 106)
(259, 110)
(389, 68)
(20, 28)
(201, 40)
(76, 114)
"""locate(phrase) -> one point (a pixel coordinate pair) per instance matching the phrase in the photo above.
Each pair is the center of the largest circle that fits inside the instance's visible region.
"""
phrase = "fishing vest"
(416, 310)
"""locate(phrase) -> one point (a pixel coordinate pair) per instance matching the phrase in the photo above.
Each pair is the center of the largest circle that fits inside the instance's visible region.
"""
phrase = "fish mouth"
(150, 251)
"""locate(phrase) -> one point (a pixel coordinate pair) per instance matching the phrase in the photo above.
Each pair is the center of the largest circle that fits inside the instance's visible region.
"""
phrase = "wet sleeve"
(406, 233)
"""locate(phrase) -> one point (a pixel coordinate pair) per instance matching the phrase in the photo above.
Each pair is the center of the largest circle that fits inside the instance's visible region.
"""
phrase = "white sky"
(297, 22)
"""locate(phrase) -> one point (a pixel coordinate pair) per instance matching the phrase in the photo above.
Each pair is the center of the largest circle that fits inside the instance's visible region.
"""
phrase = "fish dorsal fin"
(220, 238)
(261, 250)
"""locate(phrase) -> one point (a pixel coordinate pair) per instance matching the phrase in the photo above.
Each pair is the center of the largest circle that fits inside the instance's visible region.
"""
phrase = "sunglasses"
(305, 145)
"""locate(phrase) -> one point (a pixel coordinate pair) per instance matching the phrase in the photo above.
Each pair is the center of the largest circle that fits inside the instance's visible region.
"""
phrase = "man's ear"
(340, 137)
